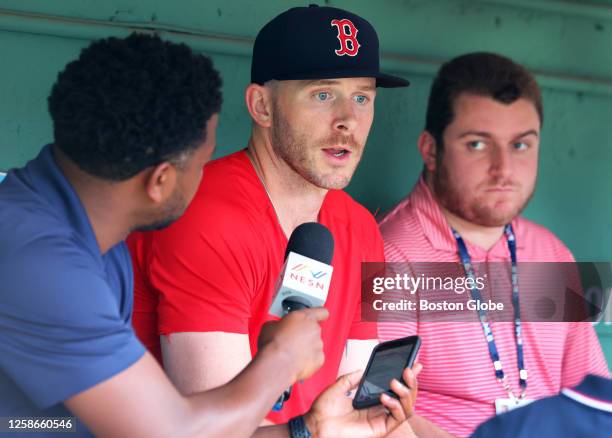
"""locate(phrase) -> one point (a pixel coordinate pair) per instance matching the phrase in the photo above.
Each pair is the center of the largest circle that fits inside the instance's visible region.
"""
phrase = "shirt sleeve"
(582, 355)
(61, 328)
(144, 321)
(205, 273)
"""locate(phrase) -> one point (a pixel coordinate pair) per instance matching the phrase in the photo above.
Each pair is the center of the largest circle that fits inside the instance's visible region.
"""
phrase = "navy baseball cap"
(318, 43)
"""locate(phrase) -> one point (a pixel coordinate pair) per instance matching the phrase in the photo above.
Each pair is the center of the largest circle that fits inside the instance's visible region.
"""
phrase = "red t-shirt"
(215, 269)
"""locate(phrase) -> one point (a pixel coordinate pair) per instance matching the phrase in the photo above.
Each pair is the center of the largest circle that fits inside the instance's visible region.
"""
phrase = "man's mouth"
(501, 189)
(337, 152)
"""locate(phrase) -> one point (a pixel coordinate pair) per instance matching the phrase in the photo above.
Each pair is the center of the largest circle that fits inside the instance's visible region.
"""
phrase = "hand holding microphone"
(298, 338)
(304, 283)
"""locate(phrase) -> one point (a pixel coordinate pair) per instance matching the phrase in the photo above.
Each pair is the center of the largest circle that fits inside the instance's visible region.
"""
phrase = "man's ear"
(427, 148)
(259, 104)
(160, 182)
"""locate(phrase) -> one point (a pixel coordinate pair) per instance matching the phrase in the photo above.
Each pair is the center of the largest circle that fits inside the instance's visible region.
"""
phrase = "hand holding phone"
(333, 415)
(387, 362)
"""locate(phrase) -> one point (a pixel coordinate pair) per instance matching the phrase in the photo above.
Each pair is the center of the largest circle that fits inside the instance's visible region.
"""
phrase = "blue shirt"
(65, 309)
(585, 411)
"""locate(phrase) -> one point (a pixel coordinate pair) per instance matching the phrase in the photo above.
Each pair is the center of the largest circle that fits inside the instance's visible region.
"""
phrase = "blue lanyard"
(482, 314)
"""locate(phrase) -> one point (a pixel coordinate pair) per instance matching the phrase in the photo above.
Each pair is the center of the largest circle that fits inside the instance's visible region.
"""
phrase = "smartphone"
(387, 362)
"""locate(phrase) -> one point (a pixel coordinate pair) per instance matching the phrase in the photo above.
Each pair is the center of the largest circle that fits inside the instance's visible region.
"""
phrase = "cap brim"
(382, 79)
(388, 81)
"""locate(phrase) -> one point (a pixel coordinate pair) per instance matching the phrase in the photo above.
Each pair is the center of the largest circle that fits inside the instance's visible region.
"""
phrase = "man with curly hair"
(134, 122)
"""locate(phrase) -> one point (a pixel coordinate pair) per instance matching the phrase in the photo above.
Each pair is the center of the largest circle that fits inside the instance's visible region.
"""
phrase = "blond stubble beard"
(293, 148)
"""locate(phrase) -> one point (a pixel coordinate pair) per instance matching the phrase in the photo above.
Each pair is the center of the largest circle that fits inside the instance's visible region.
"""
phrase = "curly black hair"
(129, 103)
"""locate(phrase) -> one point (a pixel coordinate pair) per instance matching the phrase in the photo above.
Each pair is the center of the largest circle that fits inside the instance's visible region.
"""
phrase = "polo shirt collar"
(596, 386)
(438, 231)
(49, 181)
(594, 391)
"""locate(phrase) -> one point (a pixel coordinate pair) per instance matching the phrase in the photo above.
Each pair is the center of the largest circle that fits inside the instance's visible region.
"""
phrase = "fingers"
(266, 333)
(316, 313)
(410, 376)
(400, 389)
(394, 407)
(268, 326)
(348, 382)
(376, 411)
(407, 394)
(407, 397)
(297, 336)
(417, 368)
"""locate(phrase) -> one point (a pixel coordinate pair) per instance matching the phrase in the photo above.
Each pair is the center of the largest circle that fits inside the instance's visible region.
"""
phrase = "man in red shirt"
(206, 283)
(480, 148)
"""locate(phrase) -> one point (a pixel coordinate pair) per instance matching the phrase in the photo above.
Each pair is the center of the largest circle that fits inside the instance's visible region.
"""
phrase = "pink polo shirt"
(457, 387)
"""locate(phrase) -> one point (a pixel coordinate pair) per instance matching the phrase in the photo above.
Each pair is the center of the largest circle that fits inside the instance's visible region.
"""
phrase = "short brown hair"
(483, 74)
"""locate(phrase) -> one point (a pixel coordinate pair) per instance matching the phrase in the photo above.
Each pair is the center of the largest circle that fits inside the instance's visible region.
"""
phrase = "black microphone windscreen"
(312, 240)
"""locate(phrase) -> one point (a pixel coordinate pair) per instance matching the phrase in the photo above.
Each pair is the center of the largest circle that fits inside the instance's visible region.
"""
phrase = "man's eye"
(521, 146)
(476, 145)
(361, 99)
(322, 96)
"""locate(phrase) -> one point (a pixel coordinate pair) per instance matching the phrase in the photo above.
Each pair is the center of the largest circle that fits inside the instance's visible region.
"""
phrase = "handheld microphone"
(306, 275)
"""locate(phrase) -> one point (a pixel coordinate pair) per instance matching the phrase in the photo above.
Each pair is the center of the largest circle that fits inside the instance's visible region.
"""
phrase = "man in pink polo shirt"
(480, 150)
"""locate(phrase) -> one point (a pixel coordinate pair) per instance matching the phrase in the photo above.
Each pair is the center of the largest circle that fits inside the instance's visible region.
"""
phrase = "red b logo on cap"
(347, 35)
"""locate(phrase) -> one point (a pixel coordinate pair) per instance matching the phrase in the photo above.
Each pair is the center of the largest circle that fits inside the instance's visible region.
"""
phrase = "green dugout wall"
(568, 44)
